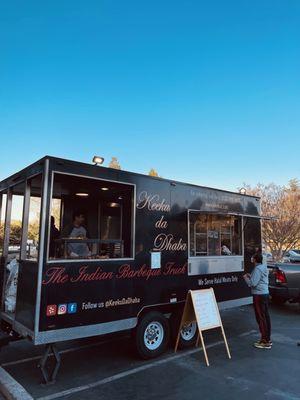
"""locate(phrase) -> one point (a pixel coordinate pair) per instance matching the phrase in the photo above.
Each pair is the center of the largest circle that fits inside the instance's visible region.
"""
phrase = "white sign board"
(201, 307)
(206, 309)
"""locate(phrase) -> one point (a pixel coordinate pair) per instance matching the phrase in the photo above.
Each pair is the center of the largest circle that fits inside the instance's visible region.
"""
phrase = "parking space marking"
(133, 371)
(11, 389)
(273, 393)
(253, 331)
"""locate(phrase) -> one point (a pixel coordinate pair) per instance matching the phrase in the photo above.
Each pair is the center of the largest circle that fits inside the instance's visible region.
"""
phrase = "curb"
(11, 389)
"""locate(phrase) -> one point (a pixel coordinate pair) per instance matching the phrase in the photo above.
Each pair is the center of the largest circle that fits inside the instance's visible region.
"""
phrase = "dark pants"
(261, 308)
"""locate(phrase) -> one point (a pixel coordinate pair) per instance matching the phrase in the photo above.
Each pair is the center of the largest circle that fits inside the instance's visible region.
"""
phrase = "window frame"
(206, 212)
(3, 206)
(25, 216)
(87, 260)
(8, 220)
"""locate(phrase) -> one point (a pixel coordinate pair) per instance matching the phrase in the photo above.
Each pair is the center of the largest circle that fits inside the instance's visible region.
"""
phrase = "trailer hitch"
(49, 374)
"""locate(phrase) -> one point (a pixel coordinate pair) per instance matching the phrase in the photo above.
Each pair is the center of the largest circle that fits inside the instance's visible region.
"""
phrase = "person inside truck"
(77, 231)
(225, 250)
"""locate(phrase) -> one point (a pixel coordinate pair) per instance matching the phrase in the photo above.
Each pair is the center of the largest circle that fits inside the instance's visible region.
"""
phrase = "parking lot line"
(11, 389)
(132, 371)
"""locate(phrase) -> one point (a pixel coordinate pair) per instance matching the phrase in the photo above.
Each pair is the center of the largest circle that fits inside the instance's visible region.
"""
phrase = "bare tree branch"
(283, 202)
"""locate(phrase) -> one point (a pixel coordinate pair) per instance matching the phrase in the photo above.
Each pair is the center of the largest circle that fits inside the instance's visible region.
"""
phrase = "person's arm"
(254, 278)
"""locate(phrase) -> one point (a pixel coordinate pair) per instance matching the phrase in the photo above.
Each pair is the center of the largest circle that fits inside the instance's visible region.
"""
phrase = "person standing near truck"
(258, 280)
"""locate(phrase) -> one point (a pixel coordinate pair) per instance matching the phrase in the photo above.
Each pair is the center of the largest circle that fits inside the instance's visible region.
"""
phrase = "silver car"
(292, 256)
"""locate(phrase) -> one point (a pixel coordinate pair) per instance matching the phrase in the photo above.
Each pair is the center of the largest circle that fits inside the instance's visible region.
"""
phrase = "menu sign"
(155, 259)
(201, 307)
(206, 309)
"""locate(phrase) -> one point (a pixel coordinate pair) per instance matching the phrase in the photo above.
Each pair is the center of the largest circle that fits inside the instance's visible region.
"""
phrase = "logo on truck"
(162, 241)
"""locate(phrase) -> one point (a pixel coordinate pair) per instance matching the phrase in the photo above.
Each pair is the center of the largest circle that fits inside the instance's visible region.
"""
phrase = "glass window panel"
(90, 219)
(236, 236)
(198, 234)
(214, 235)
(34, 216)
(2, 221)
(15, 233)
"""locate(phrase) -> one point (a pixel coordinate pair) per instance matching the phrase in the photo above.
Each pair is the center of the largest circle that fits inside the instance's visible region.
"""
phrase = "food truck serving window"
(90, 219)
(214, 235)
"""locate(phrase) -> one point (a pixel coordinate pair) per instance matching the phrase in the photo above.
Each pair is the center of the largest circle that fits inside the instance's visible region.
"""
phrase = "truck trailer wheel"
(188, 333)
(152, 335)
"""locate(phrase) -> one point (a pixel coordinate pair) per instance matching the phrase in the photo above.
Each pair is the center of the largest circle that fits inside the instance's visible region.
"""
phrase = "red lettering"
(171, 269)
(126, 272)
(56, 275)
(85, 276)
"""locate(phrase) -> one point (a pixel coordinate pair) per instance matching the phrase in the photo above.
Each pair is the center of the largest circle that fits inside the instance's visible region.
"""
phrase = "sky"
(204, 92)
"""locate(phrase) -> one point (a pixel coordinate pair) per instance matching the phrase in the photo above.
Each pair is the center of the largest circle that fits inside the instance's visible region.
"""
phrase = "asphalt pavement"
(107, 368)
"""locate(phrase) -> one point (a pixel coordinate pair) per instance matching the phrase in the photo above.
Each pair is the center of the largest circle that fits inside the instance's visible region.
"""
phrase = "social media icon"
(72, 308)
(62, 309)
(51, 310)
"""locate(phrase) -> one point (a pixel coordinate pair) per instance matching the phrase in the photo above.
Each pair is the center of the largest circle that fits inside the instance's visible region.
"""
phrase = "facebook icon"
(72, 308)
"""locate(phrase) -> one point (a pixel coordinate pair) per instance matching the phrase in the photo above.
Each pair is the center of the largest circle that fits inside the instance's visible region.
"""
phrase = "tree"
(152, 172)
(33, 231)
(55, 211)
(1, 235)
(283, 202)
(114, 163)
(15, 232)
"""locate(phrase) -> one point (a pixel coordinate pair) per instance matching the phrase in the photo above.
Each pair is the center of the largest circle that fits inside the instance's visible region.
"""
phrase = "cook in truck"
(77, 231)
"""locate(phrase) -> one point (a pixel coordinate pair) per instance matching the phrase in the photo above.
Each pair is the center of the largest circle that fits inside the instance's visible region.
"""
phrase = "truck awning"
(268, 218)
(265, 217)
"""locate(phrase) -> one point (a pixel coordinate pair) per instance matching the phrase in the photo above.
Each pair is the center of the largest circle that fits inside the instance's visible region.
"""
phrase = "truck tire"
(152, 335)
(188, 334)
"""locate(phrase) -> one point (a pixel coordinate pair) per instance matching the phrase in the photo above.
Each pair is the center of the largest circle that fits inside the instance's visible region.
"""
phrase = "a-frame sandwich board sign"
(201, 307)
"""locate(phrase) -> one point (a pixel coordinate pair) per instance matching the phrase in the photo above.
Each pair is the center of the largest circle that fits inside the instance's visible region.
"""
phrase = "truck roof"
(41, 160)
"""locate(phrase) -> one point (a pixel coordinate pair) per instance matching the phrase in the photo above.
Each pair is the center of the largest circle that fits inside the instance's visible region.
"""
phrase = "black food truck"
(88, 250)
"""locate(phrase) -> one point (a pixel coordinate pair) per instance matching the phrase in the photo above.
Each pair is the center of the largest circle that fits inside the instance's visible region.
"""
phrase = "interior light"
(104, 188)
(81, 194)
(97, 160)
(114, 204)
(120, 197)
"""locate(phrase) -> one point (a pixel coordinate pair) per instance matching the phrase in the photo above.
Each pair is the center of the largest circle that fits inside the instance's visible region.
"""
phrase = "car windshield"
(296, 251)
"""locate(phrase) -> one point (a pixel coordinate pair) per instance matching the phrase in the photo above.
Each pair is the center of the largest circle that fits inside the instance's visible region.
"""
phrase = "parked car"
(268, 257)
(284, 282)
(292, 256)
